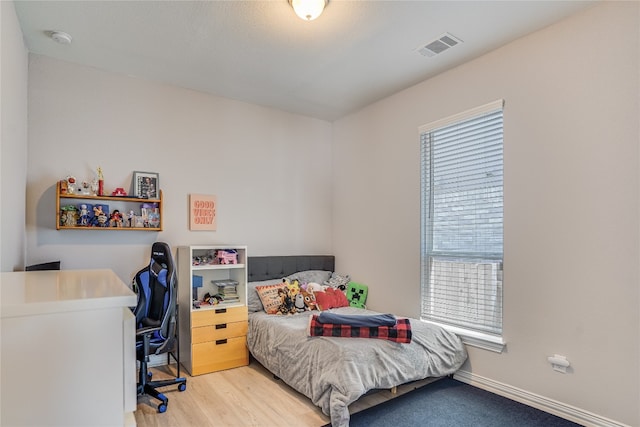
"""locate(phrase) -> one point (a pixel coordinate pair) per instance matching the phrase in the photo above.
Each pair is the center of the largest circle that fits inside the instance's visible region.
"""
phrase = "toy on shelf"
(72, 185)
(68, 216)
(100, 216)
(212, 299)
(84, 214)
(227, 256)
(115, 220)
(100, 182)
(202, 259)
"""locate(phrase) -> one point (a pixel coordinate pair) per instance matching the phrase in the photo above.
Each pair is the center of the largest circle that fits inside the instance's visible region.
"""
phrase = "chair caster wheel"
(162, 407)
(182, 387)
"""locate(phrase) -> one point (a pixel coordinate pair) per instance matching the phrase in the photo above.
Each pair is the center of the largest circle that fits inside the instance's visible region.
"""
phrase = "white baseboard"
(551, 406)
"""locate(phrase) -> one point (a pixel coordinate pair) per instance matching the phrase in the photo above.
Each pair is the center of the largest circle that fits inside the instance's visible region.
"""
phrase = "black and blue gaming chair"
(156, 320)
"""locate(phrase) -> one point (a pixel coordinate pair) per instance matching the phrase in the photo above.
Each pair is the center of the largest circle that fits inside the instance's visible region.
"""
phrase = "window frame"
(486, 340)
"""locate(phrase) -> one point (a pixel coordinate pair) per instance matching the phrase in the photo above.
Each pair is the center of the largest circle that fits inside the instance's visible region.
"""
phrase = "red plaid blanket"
(401, 332)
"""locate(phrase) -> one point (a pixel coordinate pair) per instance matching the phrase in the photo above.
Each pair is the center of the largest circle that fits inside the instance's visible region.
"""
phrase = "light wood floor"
(246, 396)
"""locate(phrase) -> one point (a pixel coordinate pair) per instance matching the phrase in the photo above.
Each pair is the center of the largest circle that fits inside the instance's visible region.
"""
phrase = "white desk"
(67, 349)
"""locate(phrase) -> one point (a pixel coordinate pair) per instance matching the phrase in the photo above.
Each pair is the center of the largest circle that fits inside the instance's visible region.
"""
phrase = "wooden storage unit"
(123, 204)
(212, 337)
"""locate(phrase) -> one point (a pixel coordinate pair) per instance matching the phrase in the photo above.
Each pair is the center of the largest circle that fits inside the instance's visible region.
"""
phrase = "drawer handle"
(221, 326)
(218, 342)
(221, 310)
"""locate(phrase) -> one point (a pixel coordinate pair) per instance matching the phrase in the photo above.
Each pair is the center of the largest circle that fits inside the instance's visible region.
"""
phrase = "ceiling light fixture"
(308, 9)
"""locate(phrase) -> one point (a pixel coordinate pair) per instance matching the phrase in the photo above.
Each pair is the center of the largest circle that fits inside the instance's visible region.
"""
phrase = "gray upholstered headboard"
(276, 267)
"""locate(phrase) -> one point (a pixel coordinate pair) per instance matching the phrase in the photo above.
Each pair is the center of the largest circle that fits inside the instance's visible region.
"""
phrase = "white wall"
(271, 171)
(13, 139)
(572, 218)
(572, 215)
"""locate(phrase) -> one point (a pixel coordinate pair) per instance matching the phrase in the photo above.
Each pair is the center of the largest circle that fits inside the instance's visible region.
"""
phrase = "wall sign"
(202, 212)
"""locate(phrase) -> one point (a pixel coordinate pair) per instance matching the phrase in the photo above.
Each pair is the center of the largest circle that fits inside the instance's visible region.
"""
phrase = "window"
(462, 232)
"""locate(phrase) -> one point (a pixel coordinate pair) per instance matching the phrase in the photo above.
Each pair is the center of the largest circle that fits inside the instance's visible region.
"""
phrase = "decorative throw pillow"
(270, 296)
(338, 281)
(253, 300)
(331, 298)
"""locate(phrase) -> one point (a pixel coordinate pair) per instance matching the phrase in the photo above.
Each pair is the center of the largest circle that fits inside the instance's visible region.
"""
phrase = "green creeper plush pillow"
(357, 294)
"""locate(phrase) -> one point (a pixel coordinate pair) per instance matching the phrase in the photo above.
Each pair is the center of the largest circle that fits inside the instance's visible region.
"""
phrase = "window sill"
(475, 339)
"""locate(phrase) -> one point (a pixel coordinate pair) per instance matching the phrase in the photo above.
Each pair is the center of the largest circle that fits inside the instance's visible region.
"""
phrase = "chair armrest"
(147, 330)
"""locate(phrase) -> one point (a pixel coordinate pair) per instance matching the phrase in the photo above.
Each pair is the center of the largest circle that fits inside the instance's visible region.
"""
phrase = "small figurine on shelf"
(63, 186)
(154, 219)
(116, 219)
(227, 256)
(85, 188)
(119, 192)
(212, 299)
(94, 187)
(84, 215)
(100, 217)
(100, 182)
(130, 218)
(71, 184)
(68, 216)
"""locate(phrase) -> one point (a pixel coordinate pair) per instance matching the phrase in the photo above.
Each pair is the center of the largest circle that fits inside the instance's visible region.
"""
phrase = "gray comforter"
(334, 372)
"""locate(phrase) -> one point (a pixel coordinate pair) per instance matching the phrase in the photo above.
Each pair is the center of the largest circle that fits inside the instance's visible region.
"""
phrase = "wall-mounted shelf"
(147, 218)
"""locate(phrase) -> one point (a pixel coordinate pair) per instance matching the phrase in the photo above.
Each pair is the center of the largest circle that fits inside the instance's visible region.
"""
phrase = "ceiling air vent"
(439, 45)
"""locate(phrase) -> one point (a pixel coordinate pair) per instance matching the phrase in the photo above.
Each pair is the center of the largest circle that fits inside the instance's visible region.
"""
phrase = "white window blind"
(462, 211)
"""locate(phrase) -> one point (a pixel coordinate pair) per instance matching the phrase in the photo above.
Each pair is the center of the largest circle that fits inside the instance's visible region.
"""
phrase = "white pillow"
(317, 276)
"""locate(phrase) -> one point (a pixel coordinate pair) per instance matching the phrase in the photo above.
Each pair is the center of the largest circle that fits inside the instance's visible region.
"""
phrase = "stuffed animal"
(316, 287)
(309, 299)
(338, 281)
(357, 294)
(298, 302)
(294, 287)
(287, 306)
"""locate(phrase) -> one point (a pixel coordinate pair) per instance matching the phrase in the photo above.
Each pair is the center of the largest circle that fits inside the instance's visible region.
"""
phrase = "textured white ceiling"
(355, 53)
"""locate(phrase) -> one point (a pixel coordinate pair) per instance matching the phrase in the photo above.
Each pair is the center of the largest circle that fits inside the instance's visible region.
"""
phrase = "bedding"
(335, 371)
(400, 331)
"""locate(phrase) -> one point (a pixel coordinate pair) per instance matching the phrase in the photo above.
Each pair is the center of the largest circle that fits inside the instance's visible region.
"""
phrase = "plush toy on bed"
(298, 302)
(357, 294)
(287, 305)
(314, 287)
(338, 281)
(309, 299)
(293, 286)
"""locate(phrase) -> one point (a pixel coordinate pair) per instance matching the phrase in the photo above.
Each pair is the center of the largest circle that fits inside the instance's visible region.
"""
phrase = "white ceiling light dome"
(308, 9)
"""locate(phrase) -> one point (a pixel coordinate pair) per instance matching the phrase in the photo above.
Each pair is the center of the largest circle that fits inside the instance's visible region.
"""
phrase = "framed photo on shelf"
(146, 185)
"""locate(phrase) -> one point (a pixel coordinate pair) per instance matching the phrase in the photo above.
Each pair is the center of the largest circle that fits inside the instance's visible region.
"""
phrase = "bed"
(333, 371)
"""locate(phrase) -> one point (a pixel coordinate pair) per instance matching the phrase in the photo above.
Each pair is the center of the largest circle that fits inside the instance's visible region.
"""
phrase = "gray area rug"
(448, 403)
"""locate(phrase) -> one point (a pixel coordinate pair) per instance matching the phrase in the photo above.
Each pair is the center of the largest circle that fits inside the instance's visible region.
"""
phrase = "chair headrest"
(161, 253)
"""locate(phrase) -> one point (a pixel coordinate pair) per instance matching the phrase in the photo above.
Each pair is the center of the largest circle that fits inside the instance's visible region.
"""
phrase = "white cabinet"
(212, 336)
(68, 348)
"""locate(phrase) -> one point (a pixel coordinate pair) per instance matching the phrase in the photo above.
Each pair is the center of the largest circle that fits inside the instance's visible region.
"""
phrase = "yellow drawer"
(218, 316)
(218, 355)
(219, 331)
